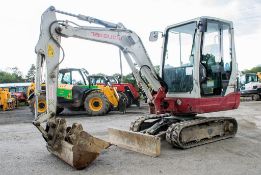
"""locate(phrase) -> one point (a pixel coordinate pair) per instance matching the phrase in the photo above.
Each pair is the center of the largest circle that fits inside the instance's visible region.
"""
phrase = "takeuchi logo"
(107, 36)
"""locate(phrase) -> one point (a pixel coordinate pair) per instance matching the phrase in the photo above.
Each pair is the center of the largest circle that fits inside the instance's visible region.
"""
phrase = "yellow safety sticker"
(50, 51)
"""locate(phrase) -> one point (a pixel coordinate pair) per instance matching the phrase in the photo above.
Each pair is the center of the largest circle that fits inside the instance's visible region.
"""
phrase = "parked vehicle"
(7, 102)
(74, 92)
(128, 89)
(19, 90)
(250, 86)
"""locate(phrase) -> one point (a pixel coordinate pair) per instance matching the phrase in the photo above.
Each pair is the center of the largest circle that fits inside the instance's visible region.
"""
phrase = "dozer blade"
(142, 143)
(73, 145)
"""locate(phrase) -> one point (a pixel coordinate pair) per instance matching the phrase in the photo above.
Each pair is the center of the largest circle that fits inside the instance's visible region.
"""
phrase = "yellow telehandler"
(74, 92)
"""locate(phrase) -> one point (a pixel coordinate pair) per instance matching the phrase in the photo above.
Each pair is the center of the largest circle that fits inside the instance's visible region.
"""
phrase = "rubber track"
(174, 132)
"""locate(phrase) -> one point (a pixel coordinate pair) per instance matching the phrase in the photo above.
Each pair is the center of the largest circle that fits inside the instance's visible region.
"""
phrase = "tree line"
(14, 75)
(252, 70)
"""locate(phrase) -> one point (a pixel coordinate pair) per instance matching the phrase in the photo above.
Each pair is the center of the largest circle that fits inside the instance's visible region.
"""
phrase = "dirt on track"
(23, 148)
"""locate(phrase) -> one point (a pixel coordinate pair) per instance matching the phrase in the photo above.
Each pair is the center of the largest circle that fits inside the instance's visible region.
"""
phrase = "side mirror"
(154, 35)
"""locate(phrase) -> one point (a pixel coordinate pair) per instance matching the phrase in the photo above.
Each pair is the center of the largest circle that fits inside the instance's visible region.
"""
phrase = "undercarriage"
(186, 131)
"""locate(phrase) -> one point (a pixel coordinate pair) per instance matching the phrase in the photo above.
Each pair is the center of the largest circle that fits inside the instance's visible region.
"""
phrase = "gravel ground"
(23, 149)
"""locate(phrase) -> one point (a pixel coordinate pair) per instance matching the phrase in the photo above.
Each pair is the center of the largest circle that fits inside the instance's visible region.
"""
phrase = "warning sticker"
(50, 51)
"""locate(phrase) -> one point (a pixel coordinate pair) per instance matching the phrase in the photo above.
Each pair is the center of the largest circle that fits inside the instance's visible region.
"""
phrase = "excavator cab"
(199, 72)
(198, 75)
(199, 63)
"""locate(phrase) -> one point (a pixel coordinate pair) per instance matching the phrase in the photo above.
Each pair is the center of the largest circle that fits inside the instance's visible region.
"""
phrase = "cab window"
(77, 78)
(65, 78)
(216, 60)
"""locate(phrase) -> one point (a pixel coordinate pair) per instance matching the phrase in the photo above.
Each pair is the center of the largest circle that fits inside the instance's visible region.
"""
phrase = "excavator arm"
(48, 52)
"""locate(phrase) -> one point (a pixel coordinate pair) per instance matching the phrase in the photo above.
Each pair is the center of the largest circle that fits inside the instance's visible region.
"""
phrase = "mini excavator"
(198, 75)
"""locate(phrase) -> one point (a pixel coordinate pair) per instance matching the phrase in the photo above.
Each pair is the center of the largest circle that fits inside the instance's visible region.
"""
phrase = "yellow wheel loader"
(198, 75)
(7, 102)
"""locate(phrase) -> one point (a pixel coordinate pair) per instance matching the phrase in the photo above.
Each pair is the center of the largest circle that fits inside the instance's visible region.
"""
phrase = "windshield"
(179, 58)
(248, 78)
(112, 79)
(21, 89)
(94, 80)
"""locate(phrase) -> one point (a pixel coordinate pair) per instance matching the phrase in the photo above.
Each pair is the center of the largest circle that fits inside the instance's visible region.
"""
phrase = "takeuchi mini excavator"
(198, 75)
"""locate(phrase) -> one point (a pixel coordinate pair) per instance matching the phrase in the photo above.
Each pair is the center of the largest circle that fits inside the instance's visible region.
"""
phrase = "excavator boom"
(48, 48)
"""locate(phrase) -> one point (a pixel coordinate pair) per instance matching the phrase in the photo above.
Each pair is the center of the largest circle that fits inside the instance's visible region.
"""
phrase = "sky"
(20, 27)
